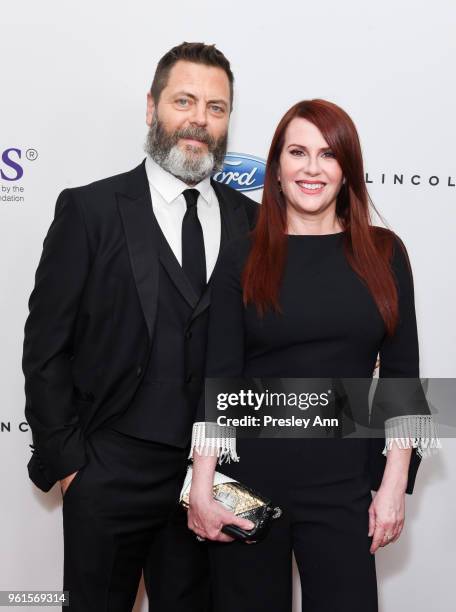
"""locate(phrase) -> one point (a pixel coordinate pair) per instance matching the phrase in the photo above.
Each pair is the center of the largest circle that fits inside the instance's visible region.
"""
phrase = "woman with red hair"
(315, 291)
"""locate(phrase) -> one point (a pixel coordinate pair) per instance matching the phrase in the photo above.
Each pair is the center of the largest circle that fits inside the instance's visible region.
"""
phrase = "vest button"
(189, 378)
(139, 371)
(188, 335)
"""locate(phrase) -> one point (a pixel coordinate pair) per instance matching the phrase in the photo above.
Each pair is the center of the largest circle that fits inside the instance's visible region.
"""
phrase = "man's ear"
(150, 109)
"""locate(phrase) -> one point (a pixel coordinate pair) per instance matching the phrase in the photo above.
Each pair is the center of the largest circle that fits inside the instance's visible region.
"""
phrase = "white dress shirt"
(169, 207)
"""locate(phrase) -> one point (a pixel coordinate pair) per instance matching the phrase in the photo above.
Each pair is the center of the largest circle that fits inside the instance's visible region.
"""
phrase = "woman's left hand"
(386, 515)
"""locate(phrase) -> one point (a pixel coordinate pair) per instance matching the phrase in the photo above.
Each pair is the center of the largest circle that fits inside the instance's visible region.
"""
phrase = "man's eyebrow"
(219, 101)
(185, 93)
(193, 97)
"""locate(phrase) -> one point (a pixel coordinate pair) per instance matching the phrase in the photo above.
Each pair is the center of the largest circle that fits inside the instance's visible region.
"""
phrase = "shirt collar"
(170, 187)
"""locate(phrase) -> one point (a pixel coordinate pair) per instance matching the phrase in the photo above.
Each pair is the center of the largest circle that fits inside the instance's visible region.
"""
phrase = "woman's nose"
(312, 165)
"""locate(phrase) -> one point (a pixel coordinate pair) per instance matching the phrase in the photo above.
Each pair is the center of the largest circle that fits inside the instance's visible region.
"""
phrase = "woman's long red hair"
(368, 249)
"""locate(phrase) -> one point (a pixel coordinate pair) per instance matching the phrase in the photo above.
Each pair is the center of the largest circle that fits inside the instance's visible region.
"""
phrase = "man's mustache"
(195, 134)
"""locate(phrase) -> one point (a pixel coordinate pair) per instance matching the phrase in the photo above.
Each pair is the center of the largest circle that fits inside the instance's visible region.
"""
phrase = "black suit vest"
(163, 408)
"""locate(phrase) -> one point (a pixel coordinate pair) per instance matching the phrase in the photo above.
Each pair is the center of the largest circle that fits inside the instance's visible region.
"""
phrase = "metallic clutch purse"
(240, 500)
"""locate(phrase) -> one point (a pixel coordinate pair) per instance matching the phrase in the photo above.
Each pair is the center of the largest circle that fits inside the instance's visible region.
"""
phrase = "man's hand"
(65, 482)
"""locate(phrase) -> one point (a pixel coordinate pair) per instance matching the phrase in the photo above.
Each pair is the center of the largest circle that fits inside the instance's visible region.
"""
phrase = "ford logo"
(242, 172)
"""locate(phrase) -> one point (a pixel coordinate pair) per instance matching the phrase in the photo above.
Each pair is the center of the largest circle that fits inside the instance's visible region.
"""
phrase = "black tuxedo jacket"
(92, 313)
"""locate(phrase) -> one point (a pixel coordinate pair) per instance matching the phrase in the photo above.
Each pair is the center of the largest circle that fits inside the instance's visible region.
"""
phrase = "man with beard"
(115, 345)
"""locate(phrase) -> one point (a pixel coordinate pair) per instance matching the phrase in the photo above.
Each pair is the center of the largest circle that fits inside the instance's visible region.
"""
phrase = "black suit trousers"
(119, 516)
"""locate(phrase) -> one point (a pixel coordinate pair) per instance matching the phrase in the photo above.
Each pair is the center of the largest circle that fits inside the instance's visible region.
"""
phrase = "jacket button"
(189, 378)
(139, 371)
(188, 335)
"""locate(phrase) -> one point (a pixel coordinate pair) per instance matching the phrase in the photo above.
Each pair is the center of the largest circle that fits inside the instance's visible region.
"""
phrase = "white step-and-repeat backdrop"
(74, 77)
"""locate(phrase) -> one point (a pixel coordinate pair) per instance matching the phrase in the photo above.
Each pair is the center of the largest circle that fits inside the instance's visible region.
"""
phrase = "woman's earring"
(343, 181)
(280, 185)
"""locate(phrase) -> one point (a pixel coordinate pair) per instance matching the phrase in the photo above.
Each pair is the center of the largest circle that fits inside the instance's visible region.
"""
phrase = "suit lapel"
(234, 223)
(233, 215)
(137, 221)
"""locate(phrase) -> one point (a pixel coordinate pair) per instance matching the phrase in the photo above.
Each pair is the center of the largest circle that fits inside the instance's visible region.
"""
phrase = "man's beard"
(189, 164)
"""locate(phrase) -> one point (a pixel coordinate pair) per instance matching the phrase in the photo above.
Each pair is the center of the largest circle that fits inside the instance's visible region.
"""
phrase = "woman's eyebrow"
(304, 147)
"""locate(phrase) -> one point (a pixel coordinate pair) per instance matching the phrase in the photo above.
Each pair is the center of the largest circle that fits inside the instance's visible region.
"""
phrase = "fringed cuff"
(211, 440)
(412, 431)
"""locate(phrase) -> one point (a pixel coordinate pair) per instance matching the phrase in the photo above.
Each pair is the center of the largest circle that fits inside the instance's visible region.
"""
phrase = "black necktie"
(193, 255)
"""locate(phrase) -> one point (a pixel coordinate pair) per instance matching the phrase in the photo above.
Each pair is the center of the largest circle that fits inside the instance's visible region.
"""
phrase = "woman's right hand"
(206, 517)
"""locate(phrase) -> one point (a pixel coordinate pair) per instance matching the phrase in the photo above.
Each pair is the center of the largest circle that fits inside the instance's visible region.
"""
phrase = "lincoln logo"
(242, 172)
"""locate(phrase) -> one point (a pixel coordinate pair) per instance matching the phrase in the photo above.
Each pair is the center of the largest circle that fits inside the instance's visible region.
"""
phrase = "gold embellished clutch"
(241, 501)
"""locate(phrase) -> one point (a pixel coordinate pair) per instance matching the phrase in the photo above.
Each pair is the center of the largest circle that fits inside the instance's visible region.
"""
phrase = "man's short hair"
(196, 52)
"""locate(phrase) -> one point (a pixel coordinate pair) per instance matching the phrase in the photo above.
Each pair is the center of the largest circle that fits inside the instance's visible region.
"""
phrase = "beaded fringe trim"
(412, 431)
(210, 439)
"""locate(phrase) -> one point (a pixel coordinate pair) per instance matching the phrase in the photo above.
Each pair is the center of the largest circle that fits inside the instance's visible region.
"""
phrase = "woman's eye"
(329, 154)
(296, 152)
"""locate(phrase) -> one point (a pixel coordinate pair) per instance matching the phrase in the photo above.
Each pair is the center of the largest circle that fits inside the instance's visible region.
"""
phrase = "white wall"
(74, 78)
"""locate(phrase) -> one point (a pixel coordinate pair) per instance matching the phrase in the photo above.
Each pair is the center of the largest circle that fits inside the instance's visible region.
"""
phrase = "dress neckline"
(314, 236)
